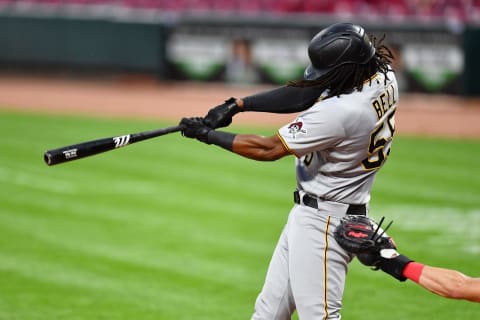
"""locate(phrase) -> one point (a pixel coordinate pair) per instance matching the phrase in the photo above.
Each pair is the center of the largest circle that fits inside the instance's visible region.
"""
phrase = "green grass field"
(174, 229)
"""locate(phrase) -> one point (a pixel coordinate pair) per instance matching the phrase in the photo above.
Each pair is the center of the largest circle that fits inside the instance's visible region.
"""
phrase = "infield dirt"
(137, 97)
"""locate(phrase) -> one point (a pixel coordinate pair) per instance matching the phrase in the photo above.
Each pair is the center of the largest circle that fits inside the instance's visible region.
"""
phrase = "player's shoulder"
(334, 110)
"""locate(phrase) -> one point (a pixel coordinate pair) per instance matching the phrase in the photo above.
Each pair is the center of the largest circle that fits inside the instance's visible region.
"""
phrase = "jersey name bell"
(340, 143)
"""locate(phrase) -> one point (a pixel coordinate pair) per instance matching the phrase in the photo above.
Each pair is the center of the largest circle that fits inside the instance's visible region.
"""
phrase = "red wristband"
(413, 271)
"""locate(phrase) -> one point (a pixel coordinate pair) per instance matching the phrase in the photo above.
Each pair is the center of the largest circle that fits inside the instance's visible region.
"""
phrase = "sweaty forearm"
(248, 145)
(258, 147)
(285, 99)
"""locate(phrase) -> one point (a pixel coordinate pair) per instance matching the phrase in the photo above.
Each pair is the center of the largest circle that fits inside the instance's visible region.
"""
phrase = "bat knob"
(47, 157)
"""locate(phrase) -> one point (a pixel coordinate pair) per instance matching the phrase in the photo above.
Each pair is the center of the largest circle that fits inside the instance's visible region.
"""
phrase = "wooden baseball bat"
(93, 147)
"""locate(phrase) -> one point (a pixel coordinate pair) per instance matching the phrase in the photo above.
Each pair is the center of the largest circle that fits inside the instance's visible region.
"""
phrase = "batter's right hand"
(221, 115)
(195, 128)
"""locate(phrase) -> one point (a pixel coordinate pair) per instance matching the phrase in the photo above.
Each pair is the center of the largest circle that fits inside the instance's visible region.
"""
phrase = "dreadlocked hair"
(348, 77)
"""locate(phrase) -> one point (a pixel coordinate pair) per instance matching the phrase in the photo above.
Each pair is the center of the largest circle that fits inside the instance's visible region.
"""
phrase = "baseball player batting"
(349, 95)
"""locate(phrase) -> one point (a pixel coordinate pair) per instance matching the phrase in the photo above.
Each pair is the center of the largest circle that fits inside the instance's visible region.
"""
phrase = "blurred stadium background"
(258, 41)
(171, 229)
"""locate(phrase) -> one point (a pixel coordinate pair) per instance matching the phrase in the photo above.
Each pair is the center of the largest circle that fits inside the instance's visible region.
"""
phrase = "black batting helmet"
(336, 45)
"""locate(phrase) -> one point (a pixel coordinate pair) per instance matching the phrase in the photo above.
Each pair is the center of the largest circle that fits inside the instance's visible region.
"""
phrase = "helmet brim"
(312, 73)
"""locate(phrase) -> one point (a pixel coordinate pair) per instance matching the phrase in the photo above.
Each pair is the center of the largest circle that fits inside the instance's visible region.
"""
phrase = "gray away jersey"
(342, 142)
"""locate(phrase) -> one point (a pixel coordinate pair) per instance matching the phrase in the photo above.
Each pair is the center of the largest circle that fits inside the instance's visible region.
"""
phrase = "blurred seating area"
(398, 10)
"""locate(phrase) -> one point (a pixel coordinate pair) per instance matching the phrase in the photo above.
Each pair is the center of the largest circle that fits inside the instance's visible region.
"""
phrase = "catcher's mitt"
(360, 234)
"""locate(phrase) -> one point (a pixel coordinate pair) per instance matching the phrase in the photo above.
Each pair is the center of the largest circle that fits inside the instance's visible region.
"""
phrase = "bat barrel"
(56, 156)
(84, 149)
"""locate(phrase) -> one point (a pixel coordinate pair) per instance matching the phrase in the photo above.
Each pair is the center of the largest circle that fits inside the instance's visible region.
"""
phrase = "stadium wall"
(432, 57)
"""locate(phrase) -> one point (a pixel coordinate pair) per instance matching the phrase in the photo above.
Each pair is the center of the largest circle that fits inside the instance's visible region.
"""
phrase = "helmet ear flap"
(336, 45)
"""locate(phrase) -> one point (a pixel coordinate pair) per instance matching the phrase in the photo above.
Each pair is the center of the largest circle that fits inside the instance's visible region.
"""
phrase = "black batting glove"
(222, 115)
(195, 128)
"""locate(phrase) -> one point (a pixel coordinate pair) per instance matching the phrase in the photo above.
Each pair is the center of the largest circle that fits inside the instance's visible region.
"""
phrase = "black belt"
(353, 209)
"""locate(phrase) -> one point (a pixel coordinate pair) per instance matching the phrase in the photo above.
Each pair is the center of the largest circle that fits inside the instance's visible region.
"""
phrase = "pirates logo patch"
(295, 128)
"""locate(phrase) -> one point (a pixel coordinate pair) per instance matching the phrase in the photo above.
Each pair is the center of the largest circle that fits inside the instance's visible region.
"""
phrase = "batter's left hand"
(195, 128)
(221, 115)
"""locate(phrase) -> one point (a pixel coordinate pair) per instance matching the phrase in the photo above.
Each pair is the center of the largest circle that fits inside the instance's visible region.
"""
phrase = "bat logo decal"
(121, 141)
(72, 153)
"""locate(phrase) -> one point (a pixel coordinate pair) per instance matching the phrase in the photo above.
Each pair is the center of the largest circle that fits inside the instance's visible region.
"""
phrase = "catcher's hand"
(360, 234)
(221, 115)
